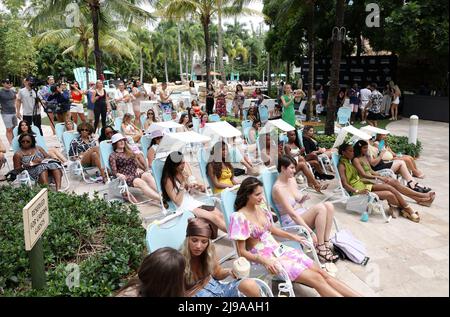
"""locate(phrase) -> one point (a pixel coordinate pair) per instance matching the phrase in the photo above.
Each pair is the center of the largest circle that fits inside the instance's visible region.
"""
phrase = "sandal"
(326, 255)
(418, 188)
(319, 187)
(411, 214)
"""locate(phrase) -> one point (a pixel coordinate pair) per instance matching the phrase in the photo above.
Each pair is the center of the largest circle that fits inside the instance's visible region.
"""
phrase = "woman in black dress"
(210, 99)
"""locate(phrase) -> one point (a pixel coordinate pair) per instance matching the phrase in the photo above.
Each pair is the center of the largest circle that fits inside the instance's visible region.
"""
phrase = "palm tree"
(235, 48)
(141, 37)
(164, 44)
(204, 11)
(192, 39)
(335, 67)
(127, 10)
(78, 41)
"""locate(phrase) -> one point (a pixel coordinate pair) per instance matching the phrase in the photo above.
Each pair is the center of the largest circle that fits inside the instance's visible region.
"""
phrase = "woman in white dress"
(177, 187)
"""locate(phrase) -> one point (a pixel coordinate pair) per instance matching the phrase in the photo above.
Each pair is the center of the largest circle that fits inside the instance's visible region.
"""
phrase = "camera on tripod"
(35, 83)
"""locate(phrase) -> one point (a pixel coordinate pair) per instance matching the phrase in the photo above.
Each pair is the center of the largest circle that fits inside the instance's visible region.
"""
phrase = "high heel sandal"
(418, 188)
(326, 255)
(410, 214)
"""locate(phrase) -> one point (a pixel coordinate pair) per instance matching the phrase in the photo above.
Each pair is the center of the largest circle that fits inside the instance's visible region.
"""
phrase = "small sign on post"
(35, 221)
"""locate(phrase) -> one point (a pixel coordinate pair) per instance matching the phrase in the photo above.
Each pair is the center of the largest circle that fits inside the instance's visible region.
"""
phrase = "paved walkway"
(406, 259)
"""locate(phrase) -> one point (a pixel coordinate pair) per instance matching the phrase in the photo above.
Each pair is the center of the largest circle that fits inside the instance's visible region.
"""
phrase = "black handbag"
(238, 171)
(11, 176)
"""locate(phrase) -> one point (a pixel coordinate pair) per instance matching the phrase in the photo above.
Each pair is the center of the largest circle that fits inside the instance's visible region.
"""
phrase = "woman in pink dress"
(253, 229)
(221, 102)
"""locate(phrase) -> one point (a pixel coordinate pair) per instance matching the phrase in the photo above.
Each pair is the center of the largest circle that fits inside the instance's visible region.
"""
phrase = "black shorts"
(382, 165)
(372, 116)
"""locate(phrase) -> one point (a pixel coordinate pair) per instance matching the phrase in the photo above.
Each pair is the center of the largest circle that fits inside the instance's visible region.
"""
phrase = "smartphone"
(381, 145)
(279, 251)
(207, 208)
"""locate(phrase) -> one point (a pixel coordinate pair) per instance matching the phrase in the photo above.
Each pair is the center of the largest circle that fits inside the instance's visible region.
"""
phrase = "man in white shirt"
(364, 94)
(31, 110)
(123, 100)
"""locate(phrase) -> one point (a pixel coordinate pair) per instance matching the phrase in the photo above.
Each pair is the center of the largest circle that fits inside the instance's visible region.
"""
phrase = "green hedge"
(398, 144)
(105, 240)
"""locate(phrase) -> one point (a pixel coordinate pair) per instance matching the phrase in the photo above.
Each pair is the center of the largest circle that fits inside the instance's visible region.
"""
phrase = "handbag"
(348, 247)
(11, 176)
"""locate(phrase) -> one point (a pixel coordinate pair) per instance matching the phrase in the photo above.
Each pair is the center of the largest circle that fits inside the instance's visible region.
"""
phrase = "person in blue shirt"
(90, 104)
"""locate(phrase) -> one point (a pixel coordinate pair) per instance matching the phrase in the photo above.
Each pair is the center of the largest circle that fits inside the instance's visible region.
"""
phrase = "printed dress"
(221, 108)
(292, 260)
(126, 165)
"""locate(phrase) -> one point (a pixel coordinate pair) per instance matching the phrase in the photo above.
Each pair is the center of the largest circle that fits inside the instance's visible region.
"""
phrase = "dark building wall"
(426, 107)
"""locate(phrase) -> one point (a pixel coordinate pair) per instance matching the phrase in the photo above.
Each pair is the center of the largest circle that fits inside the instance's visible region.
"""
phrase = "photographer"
(31, 109)
(59, 101)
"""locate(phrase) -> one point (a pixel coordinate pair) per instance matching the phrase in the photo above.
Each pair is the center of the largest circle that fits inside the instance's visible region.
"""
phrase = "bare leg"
(249, 288)
(409, 192)
(338, 285)
(82, 117)
(9, 135)
(214, 216)
(148, 192)
(74, 117)
(330, 214)
(390, 197)
(316, 217)
(148, 178)
(311, 277)
(43, 178)
(57, 176)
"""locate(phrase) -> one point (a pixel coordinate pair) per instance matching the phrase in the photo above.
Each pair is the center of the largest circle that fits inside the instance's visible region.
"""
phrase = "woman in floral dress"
(253, 229)
(125, 165)
(221, 101)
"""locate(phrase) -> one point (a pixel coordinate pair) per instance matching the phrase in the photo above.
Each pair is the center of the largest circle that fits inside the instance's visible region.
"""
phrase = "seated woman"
(365, 171)
(130, 129)
(252, 227)
(294, 149)
(270, 158)
(161, 274)
(254, 132)
(68, 125)
(54, 153)
(151, 153)
(311, 145)
(238, 153)
(203, 120)
(184, 121)
(2, 159)
(252, 114)
(85, 147)
(289, 202)
(354, 185)
(31, 157)
(106, 133)
(220, 170)
(177, 188)
(196, 108)
(151, 118)
(257, 94)
(125, 165)
(399, 167)
(390, 155)
(203, 271)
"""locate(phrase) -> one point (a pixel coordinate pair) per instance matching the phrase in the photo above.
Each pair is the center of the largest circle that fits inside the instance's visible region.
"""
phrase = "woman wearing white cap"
(125, 165)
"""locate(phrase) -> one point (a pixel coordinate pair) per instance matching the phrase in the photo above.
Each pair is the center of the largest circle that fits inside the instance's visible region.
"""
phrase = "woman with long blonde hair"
(203, 271)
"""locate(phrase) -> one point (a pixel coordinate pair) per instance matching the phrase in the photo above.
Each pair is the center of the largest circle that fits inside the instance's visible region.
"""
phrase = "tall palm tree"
(203, 11)
(126, 10)
(78, 41)
(141, 37)
(235, 48)
(192, 39)
(164, 45)
(335, 67)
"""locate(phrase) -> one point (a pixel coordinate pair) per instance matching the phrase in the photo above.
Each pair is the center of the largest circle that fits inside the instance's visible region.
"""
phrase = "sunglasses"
(25, 141)
(84, 130)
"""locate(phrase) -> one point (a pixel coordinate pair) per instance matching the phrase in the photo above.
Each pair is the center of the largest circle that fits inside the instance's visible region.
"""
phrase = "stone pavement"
(406, 259)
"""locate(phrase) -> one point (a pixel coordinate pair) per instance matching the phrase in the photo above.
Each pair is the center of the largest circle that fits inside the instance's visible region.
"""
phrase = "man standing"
(364, 96)
(31, 110)
(354, 101)
(8, 109)
(374, 106)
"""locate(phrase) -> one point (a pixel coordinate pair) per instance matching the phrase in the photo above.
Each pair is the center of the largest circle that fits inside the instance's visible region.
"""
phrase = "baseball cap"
(117, 137)
(6, 81)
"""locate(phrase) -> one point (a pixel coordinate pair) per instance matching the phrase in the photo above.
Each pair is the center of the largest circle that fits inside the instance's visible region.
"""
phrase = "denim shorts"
(215, 288)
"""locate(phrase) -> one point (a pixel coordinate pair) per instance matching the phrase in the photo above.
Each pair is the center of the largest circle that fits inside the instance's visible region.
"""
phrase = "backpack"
(348, 247)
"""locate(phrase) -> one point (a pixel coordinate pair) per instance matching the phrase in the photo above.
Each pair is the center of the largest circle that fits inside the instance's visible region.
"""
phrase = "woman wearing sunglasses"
(85, 147)
(34, 159)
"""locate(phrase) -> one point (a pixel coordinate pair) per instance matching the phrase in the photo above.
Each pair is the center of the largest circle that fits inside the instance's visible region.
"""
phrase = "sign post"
(35, 221)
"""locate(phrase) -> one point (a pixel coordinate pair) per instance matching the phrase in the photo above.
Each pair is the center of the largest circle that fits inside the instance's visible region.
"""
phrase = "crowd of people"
(194, 270)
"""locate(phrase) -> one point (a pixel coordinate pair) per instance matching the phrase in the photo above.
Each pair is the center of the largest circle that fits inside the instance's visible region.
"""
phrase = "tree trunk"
(288, 72)
(141, 65)
(205, 23)
(179, 52)
(186, 57)
(311, 53)
(165, 69)
(95, 12)
(86, 62)
(269, 73)
(335, 68)
(220, 42)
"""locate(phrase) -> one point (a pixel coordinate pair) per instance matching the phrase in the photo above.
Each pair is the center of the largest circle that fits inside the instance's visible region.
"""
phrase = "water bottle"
(365, 217)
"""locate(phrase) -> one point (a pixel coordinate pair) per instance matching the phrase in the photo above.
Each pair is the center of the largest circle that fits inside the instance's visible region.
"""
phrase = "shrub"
(105, 240)
(398, 144)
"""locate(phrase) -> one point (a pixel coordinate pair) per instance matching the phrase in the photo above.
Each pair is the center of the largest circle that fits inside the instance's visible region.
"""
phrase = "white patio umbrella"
(279, 123)
(220, 129)
(165, 126)
(177, 141)
(373, 130)
(357, 135)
